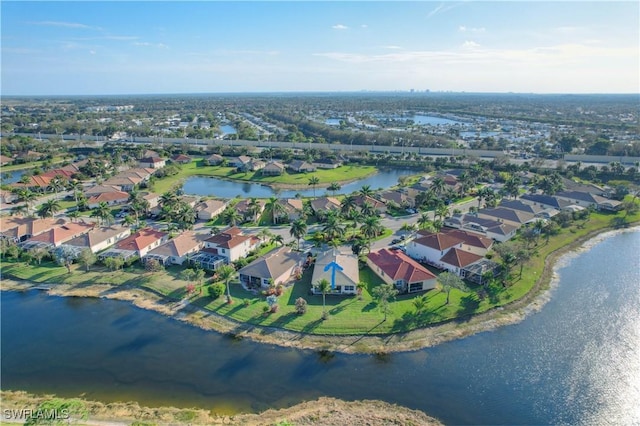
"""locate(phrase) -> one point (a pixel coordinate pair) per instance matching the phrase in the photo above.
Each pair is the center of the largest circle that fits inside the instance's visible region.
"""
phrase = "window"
(349, 288)
(415, 287)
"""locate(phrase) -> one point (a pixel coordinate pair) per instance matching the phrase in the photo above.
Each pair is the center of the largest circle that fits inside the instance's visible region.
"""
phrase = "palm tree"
(424, 220)
(57, 184)
(103, 213)
(169, 199)
(277, 239)
(26, 196)
(313, 181)
(324, 287)
(275, 208)
(334, 187)
(367, 209)
(298, 230)
(449, 281)
(438, 185)
(332, 228)
(49, 208)
(19, 210)
(184, 216)
(371, 227)
(264, 234)
(129, 221)
(366, 191)
(348, 204)
(225, 273)
(442, 212)
(231, 216)
(253, 208)
(420, 303)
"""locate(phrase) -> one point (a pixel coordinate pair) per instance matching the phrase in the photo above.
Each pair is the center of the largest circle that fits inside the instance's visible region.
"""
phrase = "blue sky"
(87, 48)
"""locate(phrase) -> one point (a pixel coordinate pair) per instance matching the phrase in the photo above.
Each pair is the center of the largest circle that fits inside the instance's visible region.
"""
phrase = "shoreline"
(511, 313)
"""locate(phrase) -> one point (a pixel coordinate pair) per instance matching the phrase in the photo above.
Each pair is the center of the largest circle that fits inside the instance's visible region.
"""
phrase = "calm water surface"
(199, 185)
(575, 362)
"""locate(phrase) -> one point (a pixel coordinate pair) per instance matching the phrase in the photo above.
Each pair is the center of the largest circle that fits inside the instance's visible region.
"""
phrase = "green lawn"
(198, 168)
(30, 165)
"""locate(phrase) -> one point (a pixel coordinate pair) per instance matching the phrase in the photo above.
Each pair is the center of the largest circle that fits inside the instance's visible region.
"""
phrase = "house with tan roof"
(232, 244)
(322, 205)
(4, 160)
(398, 269)
(100, 189)
(509, 216)
(456, 260)
(244, 208)
(20, 229)
(99, 238)
(181, 159)
(152, 162)
(58, 235)
(126, 183)
(489, 228)
(213, 160)
(279, 266)
(301, 166)
(210, 209)
(272, 168)
(400, 198)
(293, 208)
(111, 198)
(137, 244)
(378, 205)
(347, 273)
(177, 250)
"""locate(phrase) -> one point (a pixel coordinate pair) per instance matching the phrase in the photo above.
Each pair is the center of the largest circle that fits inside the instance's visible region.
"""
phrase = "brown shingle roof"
(438, 241)
(460, 258)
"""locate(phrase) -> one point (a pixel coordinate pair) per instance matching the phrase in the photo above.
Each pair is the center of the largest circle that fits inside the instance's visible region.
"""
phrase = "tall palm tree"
(298, 230)
(371, 227)
(366, 191)
(103, 213)
(313, 181)
(231, 216)
(332, 228)
(367, 209)
(277, 239)
(275, 209)
(57, 184)
(442, 212)
(49, 208)
(438, 185)
(74, 215)
(169, 199)
(26, 196)
(424, 220)
(225, 273)
(324, 287)
(253, 208)
(19, 210)
(334, 187)
(348, 204)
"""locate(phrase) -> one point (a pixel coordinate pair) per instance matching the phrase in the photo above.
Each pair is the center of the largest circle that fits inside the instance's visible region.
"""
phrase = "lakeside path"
(400, 342)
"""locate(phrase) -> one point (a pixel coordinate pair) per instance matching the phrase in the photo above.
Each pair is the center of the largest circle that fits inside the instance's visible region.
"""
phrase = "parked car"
(396, 241)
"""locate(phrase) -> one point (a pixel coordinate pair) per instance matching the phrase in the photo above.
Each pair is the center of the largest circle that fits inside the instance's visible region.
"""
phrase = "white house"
(278, 266)
(99, 239)
(177, 250)
(232, 244)
(431, 248)
(347, 274)
(398, 269)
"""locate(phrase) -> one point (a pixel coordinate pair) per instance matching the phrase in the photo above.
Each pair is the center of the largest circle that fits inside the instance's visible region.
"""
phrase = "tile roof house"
(100, 189)
(99, 238)
(178, 249)
(232, 244)
(181, 159)
(21, 228)
(126, 183)
(301, 166)
(210, 209)
(152, 162)
(545, 201)
(400, 198)
(213, 159)
(378, 205)
(244, 208)
(111, 198)
(489, 228)
(394, 267)
(327, 163)
(239, 162)
(430, 248)
(278, 266)
(293, 208)
(325, 204)
(4, 160)
(347, 275)
(456, 260)
(587, 199)
(273, 168)
(60, 234)
(508, 216)
(138, 244)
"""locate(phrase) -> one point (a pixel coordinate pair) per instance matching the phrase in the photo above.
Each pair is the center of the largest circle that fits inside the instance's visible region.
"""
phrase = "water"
(227, 129)
(577, 361)
(12, 177)
(199, 185)
(431, 120)
(332, 121)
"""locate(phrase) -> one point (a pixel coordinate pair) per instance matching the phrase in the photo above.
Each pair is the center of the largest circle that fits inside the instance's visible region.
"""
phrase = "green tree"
(275, 209)
(231, 216)
(420, 303)
(324, 287)
(49, 208)
(87, 258)
(313, 182)
(298, 230)
(334, 187)
(226, 273)
(103, 213)
(448, 281)
(383, 294)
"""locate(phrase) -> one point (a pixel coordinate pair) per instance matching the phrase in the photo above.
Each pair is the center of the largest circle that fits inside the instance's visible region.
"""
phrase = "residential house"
(327, 163)
(301, 166)
(431, 248)
(346, 276)
(152, 162)
(456, 260)
(137, 244)
(545, 201)
(398, 269)
(111, 198)
(213, 160)
(232, 244)
(516, 218)
(127, 183)
(58, 235)
(254, 165)
(273, 168)
(210, 209)
(293, 208)
(471, 242)
(278, 266)
(244, 208)
(181, 159)
(4, 160)
(494, 229)
(20, 229)
(100, 189)
(239, 162)
(99, 238)
(402, 199)
(7, 197)
(377, 205)
(587, 199)
(177, 250)
(322, 205)
(152, 198)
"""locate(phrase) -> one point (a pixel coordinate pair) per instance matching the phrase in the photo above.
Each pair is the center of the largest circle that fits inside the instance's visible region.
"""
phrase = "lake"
(13, 176)
(577, 361)
(200, 185)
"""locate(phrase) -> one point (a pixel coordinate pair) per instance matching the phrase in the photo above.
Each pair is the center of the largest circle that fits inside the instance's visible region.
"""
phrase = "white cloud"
(63, 24)
(470, 45)
(392, 47)
(340, 27)
(442, 8)
(464, 29)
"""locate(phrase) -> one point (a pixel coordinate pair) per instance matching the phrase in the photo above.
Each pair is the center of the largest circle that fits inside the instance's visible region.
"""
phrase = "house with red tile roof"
(396, 268)
(152, 162)
(430, 248)
(231, 244)
(58, 235)
(138, 244)
(456, 260)
(21, 228)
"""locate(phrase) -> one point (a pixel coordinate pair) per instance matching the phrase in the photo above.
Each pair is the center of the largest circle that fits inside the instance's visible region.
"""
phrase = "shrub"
(274, 309)
(153, 265)
(246, 302)
(216, 290)
(279, 290)
(265, 309)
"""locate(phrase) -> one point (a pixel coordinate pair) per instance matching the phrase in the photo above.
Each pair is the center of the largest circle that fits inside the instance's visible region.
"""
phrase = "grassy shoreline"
(155, 296)
(321, 411)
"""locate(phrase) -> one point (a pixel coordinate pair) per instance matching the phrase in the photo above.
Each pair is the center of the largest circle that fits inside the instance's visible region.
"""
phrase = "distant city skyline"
(108, 48)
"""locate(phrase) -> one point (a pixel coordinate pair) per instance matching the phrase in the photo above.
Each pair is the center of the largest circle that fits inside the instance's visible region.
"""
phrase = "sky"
(156, 47)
